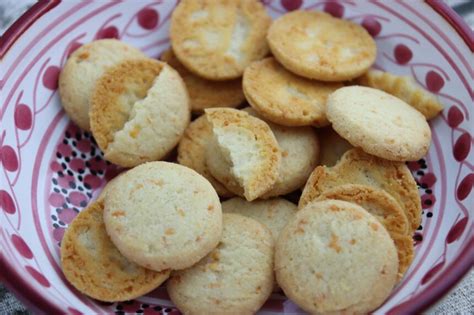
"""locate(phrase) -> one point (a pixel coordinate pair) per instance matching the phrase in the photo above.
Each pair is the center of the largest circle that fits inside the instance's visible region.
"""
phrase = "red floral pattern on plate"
(50, 170)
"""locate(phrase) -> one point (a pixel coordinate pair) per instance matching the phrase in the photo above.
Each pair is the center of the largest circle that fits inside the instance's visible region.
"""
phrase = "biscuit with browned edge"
(217, 39)
(81, 71)
(285, 98)
(379, 123)
(299, 156)
(358, 167)
(140, 109)
(94, 266)
(386, 209)
(192, 152)
(163, 215)
(334, 257)
(205, 93)
(318, 46)
(235, 278)
(405, 88)
(243, 154)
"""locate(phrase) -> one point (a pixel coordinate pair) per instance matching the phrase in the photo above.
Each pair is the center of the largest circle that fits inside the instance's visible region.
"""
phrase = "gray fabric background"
(459, 301)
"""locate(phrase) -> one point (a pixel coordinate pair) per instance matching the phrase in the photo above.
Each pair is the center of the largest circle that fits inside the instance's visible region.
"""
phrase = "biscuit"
(285, 98)
(405, 88)
(273, 213)
(386, 209)
(379, 123)
(358, 167)
(192, 152)
(140, 109)
(83, 68)
(299, 156)
(318, 46)
(94, 266)
(205, 93)
(334, 257)
(332, 146)
(163, 215)
(108, 186)
(235, 278)
(217, 39)
(243, 154)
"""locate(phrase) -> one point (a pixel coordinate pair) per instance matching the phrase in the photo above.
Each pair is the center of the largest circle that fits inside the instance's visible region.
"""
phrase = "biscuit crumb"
(169, 231)
(333, 243)
(118, 213)
(374, 226)
(210, 208)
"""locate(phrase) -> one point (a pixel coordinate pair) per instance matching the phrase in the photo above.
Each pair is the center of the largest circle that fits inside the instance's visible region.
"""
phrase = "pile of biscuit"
(320, 120)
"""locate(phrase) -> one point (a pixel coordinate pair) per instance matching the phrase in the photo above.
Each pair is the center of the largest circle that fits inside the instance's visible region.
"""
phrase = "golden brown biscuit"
(358, 167)
(244, 154)
(81, 71)
(94, 266)
(318, 46)
(192, 152)
(405, 88)
(140, 109)
(217, 39)
(299, 156)
(386, 209)
(285, 98)
(205, 93)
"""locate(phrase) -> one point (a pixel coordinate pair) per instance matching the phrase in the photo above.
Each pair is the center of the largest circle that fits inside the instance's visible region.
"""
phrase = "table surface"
(460, 300)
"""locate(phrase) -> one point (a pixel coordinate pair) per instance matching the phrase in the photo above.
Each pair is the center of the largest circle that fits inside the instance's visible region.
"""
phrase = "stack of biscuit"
(218, 224)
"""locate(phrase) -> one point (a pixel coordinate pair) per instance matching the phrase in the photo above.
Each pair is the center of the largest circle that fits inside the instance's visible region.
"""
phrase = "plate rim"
(436, 290)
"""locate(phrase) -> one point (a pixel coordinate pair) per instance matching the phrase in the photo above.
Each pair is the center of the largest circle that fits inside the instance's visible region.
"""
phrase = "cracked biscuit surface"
(243, 154)
(217, 39)
(81, 71)
(192, 152)
(163, 216)
(140, 109)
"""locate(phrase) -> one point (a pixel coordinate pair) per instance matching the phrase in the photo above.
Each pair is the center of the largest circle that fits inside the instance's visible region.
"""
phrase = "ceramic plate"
(50, 169)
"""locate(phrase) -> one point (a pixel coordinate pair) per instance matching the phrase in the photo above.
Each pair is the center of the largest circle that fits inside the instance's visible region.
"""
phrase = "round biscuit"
(285, 98)
(94, 266)
(217, 39)
(205, 93)
(386, 209)
(192, 152)
(318, 46)
(299, 156)
(358, 167)
(163, 215)
(333, 256)
(235, 278)
(140, 109)
(379, 123)
(81, 71)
